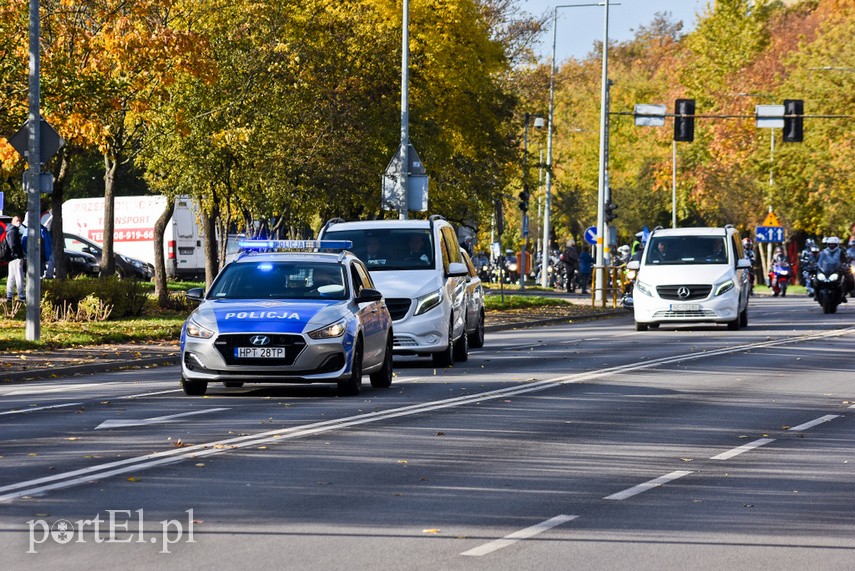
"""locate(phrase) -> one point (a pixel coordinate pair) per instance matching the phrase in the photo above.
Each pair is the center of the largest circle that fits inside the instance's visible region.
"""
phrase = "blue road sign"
(770, 234)
(525, 224)
(591, 235)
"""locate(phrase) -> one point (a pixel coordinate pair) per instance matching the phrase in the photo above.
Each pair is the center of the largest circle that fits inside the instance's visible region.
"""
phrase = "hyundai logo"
(683, 292)
(259, 340)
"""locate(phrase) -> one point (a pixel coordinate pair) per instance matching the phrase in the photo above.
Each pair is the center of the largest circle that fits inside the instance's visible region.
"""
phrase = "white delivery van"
(134, 218)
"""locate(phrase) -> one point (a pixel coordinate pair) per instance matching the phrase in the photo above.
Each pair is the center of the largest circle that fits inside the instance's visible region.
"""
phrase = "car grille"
(694, 314)
(398, 307)
(701, 291)
(400, 342)
(293, 344)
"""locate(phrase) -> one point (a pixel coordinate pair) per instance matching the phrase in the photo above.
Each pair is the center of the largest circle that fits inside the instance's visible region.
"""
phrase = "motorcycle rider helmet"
(809, 243)
(833, 242)
(747, 244)
(824, 241)
(624, 250)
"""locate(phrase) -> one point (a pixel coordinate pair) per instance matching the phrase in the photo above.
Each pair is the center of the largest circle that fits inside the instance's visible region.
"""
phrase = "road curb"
(88, 368)
(554, 320)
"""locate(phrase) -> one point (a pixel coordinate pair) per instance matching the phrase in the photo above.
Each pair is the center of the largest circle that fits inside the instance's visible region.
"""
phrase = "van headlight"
(196, 330)
(644, 288)
(428, 301)
(724, 287)
(331, 331)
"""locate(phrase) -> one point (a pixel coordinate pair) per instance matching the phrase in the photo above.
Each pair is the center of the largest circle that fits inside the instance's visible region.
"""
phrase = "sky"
(579, 28)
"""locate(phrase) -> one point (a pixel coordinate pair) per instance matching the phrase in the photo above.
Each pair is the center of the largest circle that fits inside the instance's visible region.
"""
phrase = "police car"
(288, 316)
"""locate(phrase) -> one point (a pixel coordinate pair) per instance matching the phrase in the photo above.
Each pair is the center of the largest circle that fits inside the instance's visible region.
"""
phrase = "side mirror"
(457, 269)
(369, 295)
(196, 293)
(633, 265)
(743, 264)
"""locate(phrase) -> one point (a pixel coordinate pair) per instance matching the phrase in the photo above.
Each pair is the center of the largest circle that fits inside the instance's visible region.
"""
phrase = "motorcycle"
(779, 278)
(828, 285)
(808, 273)
(628, 283)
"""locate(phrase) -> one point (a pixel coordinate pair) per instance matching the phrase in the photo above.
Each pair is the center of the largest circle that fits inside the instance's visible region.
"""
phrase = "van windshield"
(389, 248)
(686, 250)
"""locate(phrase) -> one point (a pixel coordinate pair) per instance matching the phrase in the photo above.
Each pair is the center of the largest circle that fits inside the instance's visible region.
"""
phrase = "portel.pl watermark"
(113, 528)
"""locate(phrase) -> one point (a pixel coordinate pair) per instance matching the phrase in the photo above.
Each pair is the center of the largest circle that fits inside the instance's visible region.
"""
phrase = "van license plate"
(686, 307)
(260, 352)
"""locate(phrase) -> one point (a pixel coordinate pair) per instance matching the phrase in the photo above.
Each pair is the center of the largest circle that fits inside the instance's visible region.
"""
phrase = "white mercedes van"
(692, 275)
(417, 266)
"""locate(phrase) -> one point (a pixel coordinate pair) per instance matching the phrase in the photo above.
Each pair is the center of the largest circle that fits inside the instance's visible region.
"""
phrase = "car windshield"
(280, 280)
(685, 250)
(390, 248)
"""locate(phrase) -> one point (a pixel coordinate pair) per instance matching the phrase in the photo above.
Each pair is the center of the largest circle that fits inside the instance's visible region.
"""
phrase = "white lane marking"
(742, 449)
(516, 536)
(138, 463)
(42, 389)
(151, 394)
(649, 485)
(25, 410)
(126, 423)
(853, 406)
(814, 422)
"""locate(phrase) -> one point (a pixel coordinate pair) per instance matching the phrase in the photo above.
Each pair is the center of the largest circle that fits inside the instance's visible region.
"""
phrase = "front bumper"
(426, 333)
(318, 361)
(713, 309)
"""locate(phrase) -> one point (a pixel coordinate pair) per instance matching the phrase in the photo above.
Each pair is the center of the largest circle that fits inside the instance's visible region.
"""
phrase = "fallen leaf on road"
(403, 461)
(262, 447)
(434, 530)
(200, 465)
(72, 438)
(133, 479)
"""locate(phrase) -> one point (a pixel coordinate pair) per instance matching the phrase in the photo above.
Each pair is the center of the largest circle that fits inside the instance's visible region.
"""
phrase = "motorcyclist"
(570, 259)
(850, 252)
(833, 256)
(807, 263)
(623, 255)
(748, 252)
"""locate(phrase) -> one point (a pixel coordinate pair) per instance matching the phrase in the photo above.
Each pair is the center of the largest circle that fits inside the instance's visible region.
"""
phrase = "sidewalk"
(17, 366)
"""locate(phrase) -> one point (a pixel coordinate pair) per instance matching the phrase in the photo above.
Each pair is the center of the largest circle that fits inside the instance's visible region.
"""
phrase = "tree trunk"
(160, 289)
(209, 227)
(108, 263)
(56, 226)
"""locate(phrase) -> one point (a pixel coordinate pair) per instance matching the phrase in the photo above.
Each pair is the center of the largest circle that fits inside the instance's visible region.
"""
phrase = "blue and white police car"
(278, 315)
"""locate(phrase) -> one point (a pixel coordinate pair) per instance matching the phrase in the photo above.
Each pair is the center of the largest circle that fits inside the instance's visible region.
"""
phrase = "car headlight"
(644, 288)
(196, 330)
(724, 287)
(428, 301)
(330, 331)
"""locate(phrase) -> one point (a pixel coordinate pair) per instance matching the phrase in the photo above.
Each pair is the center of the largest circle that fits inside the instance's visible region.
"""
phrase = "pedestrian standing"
(16, 264)
(586, 266)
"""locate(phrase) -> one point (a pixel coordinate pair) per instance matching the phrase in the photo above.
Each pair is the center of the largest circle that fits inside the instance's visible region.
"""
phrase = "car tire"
(445, 358)
(743, 318)
(194, 388)
(461, 348)
(640, 326)
(351, 386)
(733, 325)
(382, 379)
(233, 384)
(476, 340)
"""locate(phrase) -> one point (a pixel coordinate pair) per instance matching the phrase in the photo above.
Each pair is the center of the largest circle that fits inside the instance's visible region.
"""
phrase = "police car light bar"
(295, 244)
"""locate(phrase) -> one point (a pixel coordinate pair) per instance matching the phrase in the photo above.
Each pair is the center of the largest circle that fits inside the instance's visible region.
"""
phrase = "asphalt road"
(575, 446)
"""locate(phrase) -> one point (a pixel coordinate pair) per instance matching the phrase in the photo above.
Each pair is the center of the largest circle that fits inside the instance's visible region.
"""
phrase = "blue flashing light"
(258, 245)
(265, 266)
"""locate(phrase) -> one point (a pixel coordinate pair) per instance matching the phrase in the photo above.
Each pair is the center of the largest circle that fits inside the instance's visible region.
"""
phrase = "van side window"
(452, 245)
(443, 249)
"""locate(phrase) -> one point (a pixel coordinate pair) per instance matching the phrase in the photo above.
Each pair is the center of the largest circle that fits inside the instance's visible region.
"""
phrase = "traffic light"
(794, 130)
(684, 120)
(524, 201)
(610, 211)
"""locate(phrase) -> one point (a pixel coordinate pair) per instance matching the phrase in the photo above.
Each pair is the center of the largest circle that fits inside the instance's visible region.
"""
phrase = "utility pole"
(32, 184)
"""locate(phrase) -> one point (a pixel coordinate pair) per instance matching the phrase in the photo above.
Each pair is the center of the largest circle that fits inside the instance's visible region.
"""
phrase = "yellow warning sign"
(771, 220)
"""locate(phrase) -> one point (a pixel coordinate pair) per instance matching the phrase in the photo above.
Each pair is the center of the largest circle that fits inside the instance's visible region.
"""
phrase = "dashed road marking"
(649, 485)
(742, 449)
(516, 536)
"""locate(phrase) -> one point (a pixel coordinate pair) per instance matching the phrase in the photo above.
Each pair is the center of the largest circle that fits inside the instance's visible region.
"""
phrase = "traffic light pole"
(32, 184)
(600, 282)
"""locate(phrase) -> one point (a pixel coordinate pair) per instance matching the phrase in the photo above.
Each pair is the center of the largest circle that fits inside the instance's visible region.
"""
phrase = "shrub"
(126, 297)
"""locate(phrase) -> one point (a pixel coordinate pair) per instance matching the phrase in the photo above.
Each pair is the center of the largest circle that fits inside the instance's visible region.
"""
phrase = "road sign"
(647, 115)
(770, 116)
(591, 235)
(1, 203)
(770, 234)
(50, 140)
(525, 224)
(771, 220)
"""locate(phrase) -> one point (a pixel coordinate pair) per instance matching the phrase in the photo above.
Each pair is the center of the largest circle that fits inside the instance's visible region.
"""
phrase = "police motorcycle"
(511, 269)
(748, 250)
(779, 277)
(828, 282)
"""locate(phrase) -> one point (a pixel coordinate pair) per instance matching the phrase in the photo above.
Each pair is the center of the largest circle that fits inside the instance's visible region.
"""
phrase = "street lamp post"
(538, 124)
(548, 202)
